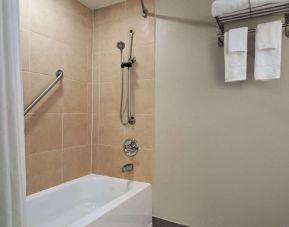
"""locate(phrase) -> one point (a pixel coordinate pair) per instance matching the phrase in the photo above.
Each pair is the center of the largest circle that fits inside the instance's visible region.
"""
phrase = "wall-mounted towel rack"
(253, 12)
(59, 76)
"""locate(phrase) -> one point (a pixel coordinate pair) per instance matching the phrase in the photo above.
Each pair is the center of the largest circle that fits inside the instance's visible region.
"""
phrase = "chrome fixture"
(120, 45)
(127, 168)
(145, 12)
(252, 13)
(130, 147)
(59, 76)
(126, 107)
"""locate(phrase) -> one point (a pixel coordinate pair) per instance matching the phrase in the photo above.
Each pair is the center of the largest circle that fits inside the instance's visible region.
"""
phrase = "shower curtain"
(12, 158)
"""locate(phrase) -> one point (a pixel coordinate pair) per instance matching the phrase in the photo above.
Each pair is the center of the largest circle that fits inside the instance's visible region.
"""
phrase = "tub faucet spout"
(127, 168)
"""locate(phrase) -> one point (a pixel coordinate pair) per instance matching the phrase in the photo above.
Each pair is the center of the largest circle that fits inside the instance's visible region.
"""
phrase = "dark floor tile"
(157, 222)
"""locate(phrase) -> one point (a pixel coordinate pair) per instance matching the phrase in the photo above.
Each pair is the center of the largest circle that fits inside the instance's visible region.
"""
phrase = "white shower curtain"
(12, 158)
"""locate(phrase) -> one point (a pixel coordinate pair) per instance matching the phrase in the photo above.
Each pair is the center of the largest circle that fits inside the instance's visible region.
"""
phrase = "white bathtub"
(92, 201)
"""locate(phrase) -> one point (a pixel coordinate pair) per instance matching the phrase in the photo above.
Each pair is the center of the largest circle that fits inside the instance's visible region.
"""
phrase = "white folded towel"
(268, 51)
(220, 7)
(235, 51)
(255, 3)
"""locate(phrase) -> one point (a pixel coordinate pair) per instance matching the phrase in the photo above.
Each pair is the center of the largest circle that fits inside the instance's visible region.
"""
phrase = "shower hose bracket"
(126, 65)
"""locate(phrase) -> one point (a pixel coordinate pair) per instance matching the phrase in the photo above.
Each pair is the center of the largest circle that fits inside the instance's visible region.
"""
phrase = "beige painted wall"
(57, 35)
(112, 24)
(222, 150)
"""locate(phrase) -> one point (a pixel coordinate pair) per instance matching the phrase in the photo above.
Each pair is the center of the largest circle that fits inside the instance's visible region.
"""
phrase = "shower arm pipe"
(59, 76)
(145, 12)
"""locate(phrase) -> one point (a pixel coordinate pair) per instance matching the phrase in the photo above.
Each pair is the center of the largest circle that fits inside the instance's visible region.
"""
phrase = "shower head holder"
(126, 65)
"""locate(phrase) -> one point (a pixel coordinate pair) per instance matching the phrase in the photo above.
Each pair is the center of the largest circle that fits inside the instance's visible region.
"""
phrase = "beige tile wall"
(83, 110)
(112, 24)
(57, 35)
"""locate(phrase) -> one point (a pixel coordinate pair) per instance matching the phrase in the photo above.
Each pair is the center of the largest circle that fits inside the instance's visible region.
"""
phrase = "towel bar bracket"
(287, 25)
(220, 41)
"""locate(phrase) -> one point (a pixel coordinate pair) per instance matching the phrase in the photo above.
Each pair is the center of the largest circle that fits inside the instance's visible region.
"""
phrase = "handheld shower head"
(120, 45)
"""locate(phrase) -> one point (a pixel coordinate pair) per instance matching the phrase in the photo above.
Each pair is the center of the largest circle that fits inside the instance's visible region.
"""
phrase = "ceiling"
(96, 4)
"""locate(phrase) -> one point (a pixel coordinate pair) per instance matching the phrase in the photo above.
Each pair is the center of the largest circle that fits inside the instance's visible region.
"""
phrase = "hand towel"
(220, 7)
(238, 39)
(255, 3)
(235, 51)
(268, 51)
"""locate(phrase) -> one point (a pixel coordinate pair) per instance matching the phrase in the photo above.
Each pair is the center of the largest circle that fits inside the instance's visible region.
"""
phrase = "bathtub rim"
(137, 187)
(136, 184)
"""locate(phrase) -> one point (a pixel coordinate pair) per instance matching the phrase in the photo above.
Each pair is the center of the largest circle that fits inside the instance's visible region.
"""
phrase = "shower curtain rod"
(144, 10)
(59, 76)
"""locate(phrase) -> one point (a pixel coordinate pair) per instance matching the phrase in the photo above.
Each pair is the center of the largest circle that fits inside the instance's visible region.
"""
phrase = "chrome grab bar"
(59, 76)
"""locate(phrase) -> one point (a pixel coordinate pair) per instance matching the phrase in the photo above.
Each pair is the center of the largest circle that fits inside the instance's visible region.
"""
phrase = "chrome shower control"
(130, 147)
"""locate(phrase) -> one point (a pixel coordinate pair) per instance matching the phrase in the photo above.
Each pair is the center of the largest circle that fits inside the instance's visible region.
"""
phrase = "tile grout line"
(39, 74)
(99, 89)
(62, 146)
(125, 128)
(138, 46)
(53, 39)
(92, 94)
